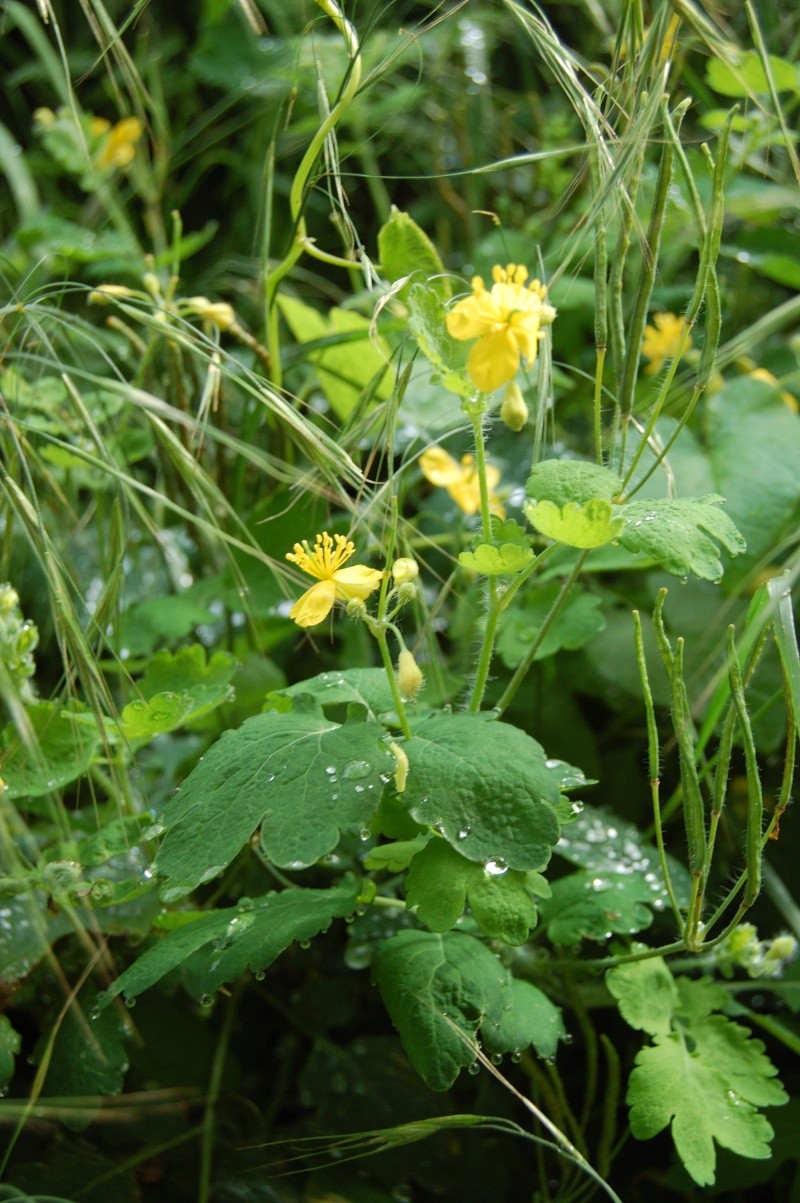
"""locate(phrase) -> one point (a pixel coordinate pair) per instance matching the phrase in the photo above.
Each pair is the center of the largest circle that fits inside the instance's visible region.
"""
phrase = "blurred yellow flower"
(324, 561)
(506, 321)
(461, 480)
(662, 340)
(218, 313)
(764, 374)
(119, 146)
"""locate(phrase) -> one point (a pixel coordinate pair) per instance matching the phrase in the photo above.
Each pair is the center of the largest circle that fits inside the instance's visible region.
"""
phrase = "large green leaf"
(530, 1011)
(747, 75)
(88, 1056)
(589, 525)
(571, 481)
(10, 1044)
(440, 989)
(706, 1082)
(406, 250)
(61, 748)
(427, 324)
(353, 359)
(587, 905)
(646, 994)
(367, 687)
(221, 945)
(485, 787)
(178, 686)
(579, 620)
(754, 441)
(599, 841)
(440, 882)
(703, 1073)
(682, 534)
(299, 777)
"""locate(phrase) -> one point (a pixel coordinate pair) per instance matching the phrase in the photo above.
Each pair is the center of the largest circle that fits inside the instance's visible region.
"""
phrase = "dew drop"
(496, 867)
(357, 769)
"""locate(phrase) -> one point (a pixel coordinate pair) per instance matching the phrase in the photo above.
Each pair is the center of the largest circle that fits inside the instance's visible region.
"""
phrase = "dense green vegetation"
(399, 450)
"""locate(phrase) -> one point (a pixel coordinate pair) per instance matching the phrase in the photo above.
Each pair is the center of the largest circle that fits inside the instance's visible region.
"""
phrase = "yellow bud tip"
(105, 293)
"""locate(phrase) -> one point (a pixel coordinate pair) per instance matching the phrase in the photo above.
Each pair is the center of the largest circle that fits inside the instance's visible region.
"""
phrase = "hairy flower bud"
(409, 675)
(405, 570)
(514, 411)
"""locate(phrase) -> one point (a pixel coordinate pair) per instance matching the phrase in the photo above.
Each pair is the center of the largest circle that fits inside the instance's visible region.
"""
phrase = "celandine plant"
(461, 811)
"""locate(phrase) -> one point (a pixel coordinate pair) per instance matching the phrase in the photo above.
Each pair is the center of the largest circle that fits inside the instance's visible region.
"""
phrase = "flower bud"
(782, 948)
(401, 772)
(152, 284)
(218, 312)
(104, 294)
(409, 675)
(355, 607)
(405, 570)
(513, 410)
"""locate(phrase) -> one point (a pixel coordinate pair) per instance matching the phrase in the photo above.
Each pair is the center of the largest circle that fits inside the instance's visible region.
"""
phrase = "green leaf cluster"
(704, 1075)
(578, 504)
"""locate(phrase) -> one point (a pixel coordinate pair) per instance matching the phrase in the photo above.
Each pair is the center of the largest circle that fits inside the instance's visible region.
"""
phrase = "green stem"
(523, 668)
(380, 635)
(209, 1117)
(297, 192)
(493, 609)
(652, 756)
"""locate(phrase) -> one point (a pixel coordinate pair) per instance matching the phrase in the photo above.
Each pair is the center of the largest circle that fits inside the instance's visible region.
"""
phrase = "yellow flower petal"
(439, 468)
(663, 340)
(493, 360)
(315, 605)
(357, 581)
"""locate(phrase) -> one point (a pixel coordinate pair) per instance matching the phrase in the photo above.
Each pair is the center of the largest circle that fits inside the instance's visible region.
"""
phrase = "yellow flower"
(324, 561)
(662, 340)
(120, 142)
(506, 321)
(461, 480)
